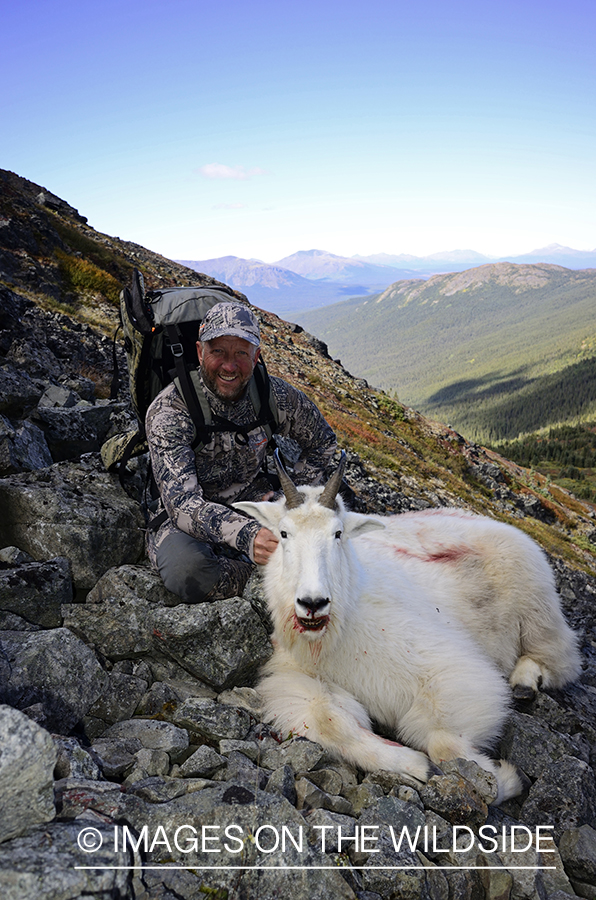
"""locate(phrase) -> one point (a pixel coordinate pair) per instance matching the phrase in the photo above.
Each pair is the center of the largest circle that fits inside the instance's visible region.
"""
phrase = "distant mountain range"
(458, 260)
(310, 279)
(495, 350)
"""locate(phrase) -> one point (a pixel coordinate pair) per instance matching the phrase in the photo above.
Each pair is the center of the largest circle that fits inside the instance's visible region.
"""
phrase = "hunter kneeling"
(202, 548)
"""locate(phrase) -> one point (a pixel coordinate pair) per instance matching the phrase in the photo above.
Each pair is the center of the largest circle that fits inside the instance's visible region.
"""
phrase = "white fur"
(415, 620)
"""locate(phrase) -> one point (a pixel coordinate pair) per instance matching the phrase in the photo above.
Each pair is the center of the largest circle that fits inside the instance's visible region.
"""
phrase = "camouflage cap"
(234, 319)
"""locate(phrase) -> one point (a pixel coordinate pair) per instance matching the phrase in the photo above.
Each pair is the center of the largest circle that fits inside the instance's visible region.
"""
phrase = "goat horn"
(293, 496)
(330, 490)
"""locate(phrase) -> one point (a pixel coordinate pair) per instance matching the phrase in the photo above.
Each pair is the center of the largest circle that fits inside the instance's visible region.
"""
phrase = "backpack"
(160, 334)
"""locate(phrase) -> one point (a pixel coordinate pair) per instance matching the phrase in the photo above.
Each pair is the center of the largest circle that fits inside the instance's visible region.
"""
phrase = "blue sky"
(258, 129)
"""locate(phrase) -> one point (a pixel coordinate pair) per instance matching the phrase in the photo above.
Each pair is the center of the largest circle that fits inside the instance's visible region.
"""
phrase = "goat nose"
(313, 605)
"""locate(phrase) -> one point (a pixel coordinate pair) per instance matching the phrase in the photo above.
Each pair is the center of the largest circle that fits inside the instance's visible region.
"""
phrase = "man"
(205, 550)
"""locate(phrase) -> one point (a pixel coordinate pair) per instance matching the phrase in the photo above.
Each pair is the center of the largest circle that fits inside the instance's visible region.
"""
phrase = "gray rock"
(249, 748)
(153, 762)
(121, 628)
(282, 781)
(152, 734)
(578, 852)
(73, 760)
(212, 721)
(48, 863)
(53, 669)
(223, 643)
(116, 756)
(119, 699)
(203, 763)
(18, 393)
(564, 795)
(73, 510)
(58, 396)
(361, 796)
(36, 590)
(532, 745)
(126, 582)
(300, 753)
(27, 759)
(23, 448)
(455, 799)
(13, 556)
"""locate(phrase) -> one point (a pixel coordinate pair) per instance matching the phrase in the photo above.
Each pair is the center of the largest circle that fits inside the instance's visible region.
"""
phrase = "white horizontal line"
(335, 868)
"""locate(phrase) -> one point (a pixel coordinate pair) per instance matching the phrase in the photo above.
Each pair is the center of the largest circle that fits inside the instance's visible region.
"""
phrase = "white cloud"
(239, 173)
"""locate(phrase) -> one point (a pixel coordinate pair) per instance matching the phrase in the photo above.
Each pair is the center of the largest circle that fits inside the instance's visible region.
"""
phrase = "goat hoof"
(523, 693)
(434, 770)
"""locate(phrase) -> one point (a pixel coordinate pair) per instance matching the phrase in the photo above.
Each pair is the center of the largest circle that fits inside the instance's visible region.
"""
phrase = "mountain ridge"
(499, 325)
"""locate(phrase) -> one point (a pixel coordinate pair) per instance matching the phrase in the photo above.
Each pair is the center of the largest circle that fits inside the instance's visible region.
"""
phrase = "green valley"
(496, 351)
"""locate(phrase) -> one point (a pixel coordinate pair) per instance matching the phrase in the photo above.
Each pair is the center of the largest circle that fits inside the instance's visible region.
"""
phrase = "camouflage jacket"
(196, 487)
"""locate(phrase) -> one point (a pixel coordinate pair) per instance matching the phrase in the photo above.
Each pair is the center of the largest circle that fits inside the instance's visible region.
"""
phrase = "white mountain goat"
(414, 620)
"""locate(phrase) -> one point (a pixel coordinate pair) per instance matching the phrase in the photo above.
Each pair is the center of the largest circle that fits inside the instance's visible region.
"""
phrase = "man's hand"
(264, 545)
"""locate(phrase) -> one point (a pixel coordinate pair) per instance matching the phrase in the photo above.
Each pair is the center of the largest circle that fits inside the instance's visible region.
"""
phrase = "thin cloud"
(238, 173)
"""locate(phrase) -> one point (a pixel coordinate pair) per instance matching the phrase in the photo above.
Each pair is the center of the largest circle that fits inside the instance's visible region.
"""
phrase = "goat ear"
(266, 513)
(357, 524)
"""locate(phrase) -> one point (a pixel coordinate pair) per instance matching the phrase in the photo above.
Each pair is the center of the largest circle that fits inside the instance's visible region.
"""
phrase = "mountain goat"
(414, 620)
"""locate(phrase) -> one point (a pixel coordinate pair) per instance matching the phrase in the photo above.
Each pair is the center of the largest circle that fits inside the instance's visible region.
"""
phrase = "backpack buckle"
(177, 349)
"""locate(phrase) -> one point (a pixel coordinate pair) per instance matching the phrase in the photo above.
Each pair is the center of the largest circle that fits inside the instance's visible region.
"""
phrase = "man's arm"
(170, 433)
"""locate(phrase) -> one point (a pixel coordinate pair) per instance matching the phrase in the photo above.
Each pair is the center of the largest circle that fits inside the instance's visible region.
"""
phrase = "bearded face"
(227, 364)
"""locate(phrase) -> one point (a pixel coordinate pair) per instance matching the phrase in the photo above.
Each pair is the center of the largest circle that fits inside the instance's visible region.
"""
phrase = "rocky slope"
(129, 726)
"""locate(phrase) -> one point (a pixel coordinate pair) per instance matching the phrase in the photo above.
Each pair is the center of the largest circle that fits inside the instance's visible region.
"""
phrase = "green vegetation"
(83, 276)
(103, 257)
(518, 405)
(566, 455)
(495, 351)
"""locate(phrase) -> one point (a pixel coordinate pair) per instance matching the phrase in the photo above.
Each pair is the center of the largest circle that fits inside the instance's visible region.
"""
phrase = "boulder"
(22, 449)
(51, 672)
(75, 510)
(36, 590)
(49, 862)
(18, 392)
(223, 643)
(27, 759)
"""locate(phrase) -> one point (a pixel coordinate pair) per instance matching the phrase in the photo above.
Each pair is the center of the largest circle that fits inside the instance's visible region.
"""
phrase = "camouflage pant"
(198, 571)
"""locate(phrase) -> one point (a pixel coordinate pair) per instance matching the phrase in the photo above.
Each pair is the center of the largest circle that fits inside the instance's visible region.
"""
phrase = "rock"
(212, 721)
(531, 745)
(282, 781)
(49, 863)
(52, 669)
(56, 396)
(119, 699)
(73, 761)
(578, 852)
(18, 393)
(203, 763)
(36, 590)
(74, 510)
(564, 795)
(27, 759)
(152, 734)
(122, 629)
(124, 582)
(22, 449)
(116, 756)
(222, 643)
(455, 799)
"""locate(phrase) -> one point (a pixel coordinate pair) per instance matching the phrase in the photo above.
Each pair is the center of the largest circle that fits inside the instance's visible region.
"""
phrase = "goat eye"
(338, 535)
(283, 534)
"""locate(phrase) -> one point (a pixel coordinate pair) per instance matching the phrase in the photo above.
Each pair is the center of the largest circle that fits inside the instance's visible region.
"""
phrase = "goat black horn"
(293, 496)
(332, 487)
